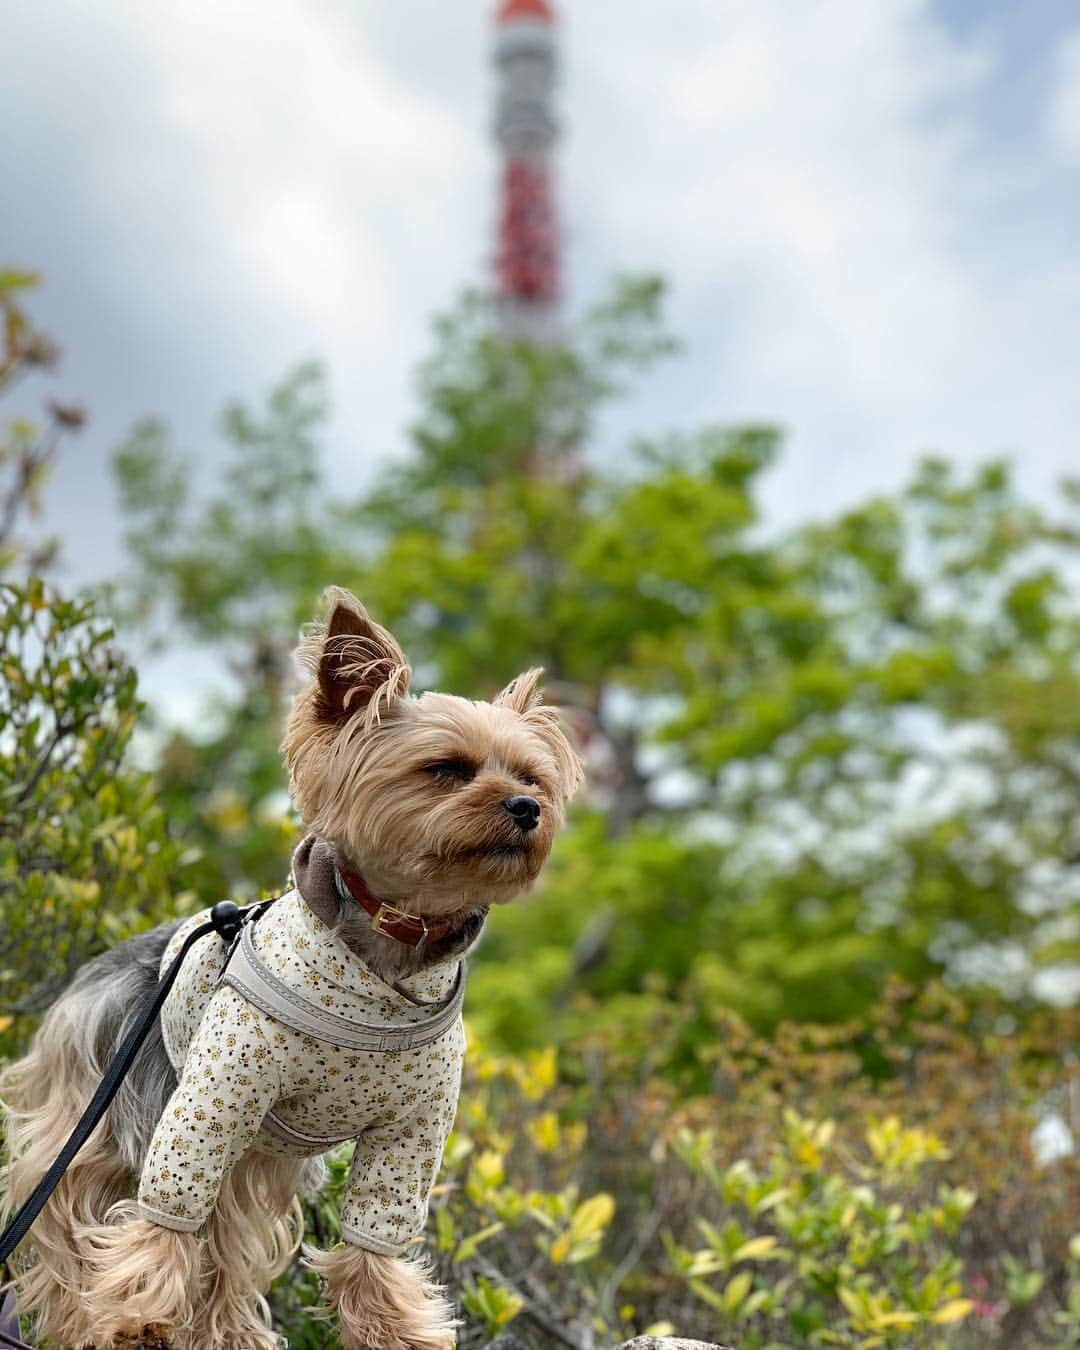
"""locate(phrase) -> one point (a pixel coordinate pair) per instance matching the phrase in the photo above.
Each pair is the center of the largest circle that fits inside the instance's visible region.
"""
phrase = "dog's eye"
(530, 780)
(451, 771)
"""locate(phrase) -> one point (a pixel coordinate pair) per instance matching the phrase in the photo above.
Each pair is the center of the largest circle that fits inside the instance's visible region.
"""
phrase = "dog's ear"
(361, 665)
(524, 696)
(522, 693)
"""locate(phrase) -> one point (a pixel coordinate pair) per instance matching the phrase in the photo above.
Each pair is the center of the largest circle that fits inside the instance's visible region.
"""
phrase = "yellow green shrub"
(866, 1185)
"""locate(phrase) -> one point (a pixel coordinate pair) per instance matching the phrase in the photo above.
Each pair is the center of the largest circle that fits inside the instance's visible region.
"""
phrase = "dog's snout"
(524, 810)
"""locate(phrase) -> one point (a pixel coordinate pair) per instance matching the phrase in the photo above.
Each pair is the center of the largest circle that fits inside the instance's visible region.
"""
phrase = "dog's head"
(438, 800)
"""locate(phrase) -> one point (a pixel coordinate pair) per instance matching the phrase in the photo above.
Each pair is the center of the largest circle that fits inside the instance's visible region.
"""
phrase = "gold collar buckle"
(387, 915)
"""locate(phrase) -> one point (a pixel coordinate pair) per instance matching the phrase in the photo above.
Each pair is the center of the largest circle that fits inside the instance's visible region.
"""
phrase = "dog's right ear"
(361, 665)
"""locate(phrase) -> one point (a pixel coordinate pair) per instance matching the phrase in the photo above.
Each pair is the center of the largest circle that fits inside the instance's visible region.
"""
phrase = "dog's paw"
(140, 1282)
(387, 1337)
(384, 1302)
(152, 1337)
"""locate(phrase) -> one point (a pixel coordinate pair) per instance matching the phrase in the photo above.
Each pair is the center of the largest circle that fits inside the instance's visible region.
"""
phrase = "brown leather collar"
(394, 923)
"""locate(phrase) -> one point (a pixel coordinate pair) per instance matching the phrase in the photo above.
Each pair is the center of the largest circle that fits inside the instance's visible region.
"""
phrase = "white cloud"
(816, 181)
(1064, 109)
(319, 185)
(248, 183)
(313, 157)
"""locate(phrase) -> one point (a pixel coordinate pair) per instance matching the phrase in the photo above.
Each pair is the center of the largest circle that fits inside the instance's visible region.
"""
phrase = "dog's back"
(105, 999)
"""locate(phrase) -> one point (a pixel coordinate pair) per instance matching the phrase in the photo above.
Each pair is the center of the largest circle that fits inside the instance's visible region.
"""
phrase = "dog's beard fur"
(364, 761)
(410, 791)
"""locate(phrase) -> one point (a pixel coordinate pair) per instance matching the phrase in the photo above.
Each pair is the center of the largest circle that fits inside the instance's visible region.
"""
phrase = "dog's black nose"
(525, 811)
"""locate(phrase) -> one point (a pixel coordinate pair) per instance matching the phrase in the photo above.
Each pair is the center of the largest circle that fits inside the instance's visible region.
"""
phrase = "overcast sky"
(867, 212)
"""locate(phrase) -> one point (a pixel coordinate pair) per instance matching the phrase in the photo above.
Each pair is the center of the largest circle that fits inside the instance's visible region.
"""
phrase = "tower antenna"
(527, 259)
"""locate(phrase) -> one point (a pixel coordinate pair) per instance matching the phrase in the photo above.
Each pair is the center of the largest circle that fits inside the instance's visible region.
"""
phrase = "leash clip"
(228, 920)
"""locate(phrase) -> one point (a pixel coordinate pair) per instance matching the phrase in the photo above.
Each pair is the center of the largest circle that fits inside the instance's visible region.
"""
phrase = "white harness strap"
(251, 978)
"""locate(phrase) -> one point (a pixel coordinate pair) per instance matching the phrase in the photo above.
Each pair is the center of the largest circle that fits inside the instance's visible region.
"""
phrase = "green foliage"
(845, 1262)
(492, 408)
(492, 1304)
(231, 566)
(85, 856)
(816, 758)
(826, 766)
(242, 567)
(238, 569)
(802, 1198)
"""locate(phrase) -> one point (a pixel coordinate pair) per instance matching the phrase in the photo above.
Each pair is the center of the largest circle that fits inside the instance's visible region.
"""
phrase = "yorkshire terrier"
(336, 1017)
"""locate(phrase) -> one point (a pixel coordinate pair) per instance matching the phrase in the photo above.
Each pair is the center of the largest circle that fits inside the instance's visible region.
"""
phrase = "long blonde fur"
(93, 1273)
(384, 1302)
(140, 1279)
(42, 1096)
(249, 1240)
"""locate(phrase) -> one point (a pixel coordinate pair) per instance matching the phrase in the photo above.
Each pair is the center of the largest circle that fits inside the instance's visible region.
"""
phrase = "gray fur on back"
(102, 1003)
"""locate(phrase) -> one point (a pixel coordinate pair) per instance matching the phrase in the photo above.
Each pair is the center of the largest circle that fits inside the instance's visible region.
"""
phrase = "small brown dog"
(337, 1017)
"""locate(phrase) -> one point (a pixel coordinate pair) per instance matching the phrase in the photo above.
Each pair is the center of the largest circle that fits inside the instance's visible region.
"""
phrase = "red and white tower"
(527, 262)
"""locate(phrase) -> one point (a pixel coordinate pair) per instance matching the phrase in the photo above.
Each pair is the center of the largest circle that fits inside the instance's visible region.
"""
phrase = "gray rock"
(508, 1341)
(666, 1343)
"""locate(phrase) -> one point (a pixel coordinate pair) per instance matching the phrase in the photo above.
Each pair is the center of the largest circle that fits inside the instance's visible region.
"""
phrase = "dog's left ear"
(524, 696)
(361, 664)
(523, 692)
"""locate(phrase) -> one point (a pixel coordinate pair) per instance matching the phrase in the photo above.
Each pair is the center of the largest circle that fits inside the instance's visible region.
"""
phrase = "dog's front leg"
(384, 1302)
(144, 1273)
(141, 1282)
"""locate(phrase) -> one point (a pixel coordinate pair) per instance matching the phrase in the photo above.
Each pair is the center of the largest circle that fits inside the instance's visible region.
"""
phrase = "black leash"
(226, 919)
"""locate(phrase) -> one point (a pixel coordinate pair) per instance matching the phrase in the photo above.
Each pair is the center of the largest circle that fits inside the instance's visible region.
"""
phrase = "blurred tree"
(815, 758)
(236, 571)
(27, 450)
(818, 758)
(242, 568)
(85, 855)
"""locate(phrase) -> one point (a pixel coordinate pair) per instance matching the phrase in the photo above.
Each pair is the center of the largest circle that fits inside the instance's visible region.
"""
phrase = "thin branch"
(61, 732)
(532, 1309)
(646, 1233)
(17, 497)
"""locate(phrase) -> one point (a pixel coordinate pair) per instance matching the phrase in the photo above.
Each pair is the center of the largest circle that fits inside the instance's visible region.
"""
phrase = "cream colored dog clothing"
(297, 1048)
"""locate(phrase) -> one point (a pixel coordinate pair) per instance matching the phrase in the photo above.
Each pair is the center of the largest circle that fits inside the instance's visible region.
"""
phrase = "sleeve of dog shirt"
(394, 1167)
(229, 1082)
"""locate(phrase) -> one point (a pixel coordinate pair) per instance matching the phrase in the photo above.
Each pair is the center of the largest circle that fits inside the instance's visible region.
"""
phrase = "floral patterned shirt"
(250, 1080)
